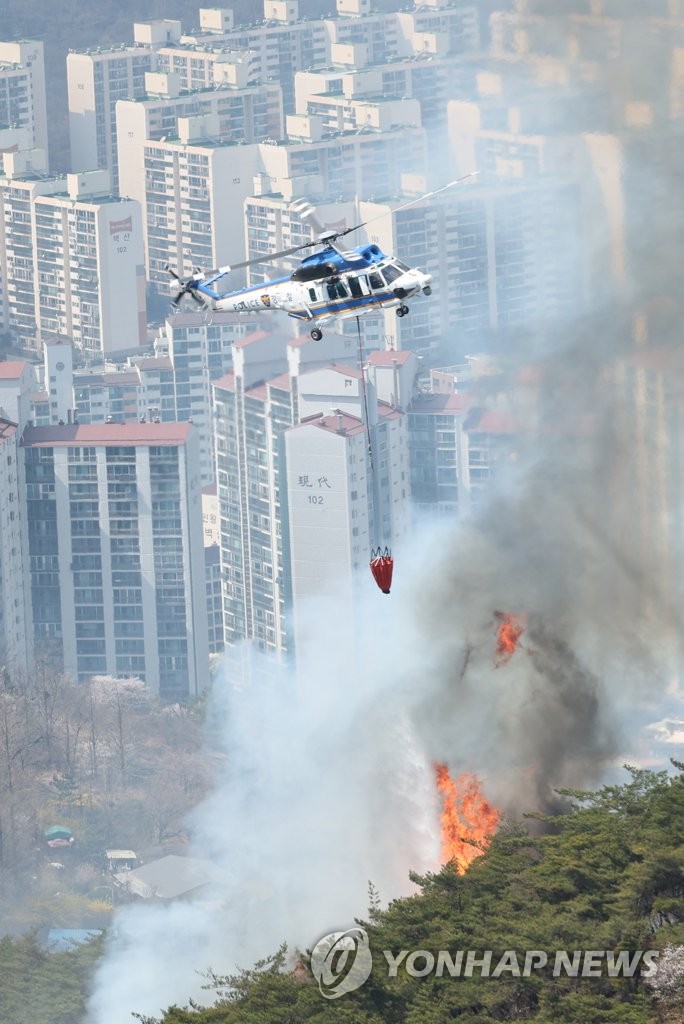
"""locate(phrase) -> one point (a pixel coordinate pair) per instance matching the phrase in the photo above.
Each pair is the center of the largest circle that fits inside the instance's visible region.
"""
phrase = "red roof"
(346, 371)
(150, 364)
(118, 379)
(226, 383)
(12, 369)
(441, 404)
(249, 339)
(336, 423)
(283, 382)
(107, 434)
(388, 357)
(388, 412)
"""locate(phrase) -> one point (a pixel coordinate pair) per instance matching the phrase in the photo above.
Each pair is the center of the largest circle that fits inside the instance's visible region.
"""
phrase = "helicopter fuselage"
(327, 285)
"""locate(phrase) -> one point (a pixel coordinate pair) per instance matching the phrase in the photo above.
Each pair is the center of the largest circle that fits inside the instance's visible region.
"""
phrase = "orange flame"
(466, 818)
(508, 635)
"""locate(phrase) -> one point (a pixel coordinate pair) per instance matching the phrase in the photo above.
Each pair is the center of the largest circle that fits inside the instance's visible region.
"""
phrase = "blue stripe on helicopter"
(336, 307)
(256, 288)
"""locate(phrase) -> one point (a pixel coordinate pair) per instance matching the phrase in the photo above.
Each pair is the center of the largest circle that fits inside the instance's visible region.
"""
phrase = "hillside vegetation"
(607, 876)
(106, 761)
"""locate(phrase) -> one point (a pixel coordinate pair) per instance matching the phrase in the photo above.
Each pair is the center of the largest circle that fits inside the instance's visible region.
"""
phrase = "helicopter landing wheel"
(402, 310)
(316, 334)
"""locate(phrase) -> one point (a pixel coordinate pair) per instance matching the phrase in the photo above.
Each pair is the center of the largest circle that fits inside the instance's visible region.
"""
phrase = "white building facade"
(72, 258)
(242, 112)
(23, 101)
(96, 80)
(194, 194)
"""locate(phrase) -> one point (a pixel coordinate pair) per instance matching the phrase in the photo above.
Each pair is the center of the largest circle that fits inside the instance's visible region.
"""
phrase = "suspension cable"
(365, 396)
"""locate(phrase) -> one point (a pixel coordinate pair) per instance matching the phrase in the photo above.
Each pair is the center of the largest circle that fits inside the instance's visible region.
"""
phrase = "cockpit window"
(402, 266)
(375, 280)
(391, 273)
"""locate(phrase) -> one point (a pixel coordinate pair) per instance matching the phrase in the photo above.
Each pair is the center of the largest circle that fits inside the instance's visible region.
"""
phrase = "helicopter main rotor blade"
(267, 257)
(405, 206)
(304, 209)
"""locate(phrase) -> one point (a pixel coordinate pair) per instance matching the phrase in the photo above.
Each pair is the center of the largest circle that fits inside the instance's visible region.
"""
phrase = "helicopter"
(329, 284)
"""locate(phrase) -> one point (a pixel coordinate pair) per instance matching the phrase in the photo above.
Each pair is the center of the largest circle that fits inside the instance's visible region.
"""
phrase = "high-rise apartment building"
(254, 410)
(342, 166)
(72, 259)
(283, 43)
(105, 396)
(23, 101)
(455, 446)
(349, 98)
(198, 351)
(198, 65)
(250, 418)
(236, 112)
(212, 566)
(116, 554)
(15, 612)
(194, 194)
(495, 253)
(344, 500)
(392, 69)
(96, 80)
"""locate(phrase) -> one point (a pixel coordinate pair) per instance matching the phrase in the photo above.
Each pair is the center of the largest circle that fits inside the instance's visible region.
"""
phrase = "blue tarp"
(60, 939)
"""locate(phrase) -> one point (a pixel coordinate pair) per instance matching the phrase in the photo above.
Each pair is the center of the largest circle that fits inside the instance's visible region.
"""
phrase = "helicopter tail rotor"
(188, 286)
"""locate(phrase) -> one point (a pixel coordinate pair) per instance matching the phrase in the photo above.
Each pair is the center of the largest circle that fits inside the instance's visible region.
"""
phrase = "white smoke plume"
(328, 779)
(325, 789)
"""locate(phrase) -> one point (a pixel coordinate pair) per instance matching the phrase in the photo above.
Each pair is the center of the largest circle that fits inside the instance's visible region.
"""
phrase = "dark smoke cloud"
(580, 535)
(582, 532)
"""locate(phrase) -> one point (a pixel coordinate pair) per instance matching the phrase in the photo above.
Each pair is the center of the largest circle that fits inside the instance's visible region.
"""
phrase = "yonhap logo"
(341, 962)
